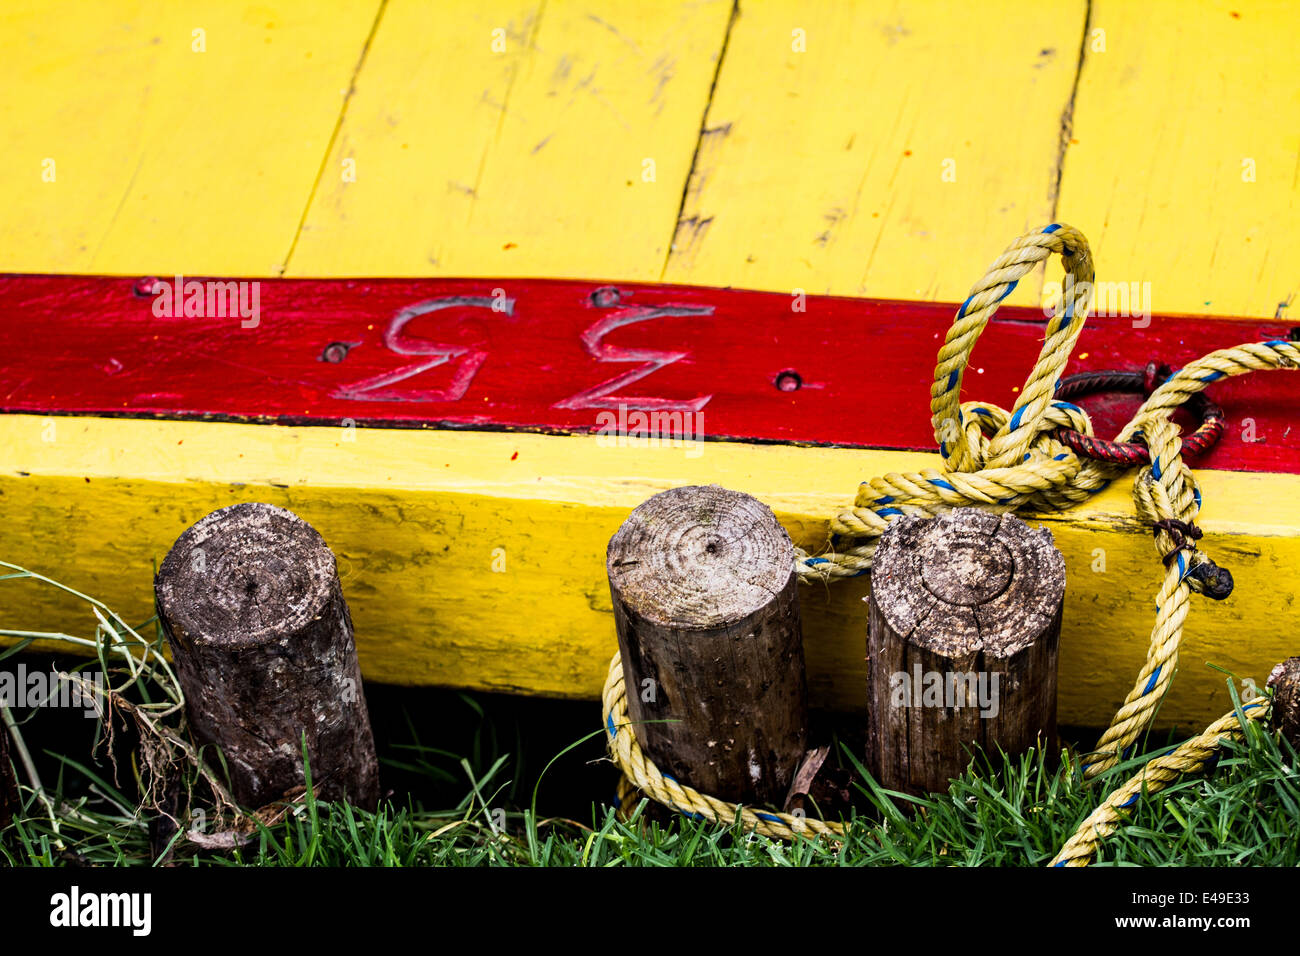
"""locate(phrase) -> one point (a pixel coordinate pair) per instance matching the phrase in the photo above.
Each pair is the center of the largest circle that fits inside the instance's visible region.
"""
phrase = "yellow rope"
(1005, 461)
(1008, 460)
(646, 777)
(1190, 757)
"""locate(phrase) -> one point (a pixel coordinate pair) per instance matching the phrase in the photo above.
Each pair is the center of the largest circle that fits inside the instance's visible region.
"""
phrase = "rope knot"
(1183, 533)
(1203, 575)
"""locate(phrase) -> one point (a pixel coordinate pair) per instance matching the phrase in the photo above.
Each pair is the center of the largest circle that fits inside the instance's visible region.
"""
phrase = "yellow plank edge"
(878, 149)
(128, 149)
(1185, 163)
(516, 139)
(420, 519)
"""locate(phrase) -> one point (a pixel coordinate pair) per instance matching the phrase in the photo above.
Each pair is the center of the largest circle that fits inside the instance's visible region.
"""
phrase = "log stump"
(1285, 716)
(10, 799)
(707, 614)
(964, 625)
(250, 601)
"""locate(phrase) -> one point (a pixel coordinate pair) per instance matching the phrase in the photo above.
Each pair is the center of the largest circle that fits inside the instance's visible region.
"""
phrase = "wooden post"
(250, 600)
(10, 799)
(965, 618)
(1285, 681)
(707, 613)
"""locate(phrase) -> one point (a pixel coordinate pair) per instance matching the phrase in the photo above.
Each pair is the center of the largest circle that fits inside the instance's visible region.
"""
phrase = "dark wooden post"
(965, 619)
(1285, 681)
(250, 600)
(10, 799)
(707, 613)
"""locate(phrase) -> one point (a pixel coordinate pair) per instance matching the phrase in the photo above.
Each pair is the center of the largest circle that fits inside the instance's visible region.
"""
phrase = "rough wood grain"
(10, 800)
(707, 616)
(250, 600)
(558, 143)
(863, 149)
(1285, 681)
(965, 618)
(1202, 203)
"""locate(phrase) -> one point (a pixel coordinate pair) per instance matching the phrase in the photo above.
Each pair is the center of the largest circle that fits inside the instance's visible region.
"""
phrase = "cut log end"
(964, 623)
(699, 556)
(988, 583)
(245, 574)
(250, 601)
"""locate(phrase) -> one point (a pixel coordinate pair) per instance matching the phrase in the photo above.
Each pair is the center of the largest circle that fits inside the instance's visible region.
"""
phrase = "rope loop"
(1010, 443)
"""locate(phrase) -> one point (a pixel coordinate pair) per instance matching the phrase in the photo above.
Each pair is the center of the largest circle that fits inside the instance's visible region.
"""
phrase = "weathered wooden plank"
(865, 149)
(128, 148)
(1182, 168)
(575, 356)
(518, 138)
(442, 536)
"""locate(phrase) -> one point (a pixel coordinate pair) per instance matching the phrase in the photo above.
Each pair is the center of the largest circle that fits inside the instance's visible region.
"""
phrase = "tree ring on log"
(700, 557)
(274, 577)
(250, 601)
(990, 582)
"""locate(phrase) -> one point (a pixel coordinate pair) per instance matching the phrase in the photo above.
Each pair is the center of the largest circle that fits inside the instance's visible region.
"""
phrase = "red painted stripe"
(555, 355)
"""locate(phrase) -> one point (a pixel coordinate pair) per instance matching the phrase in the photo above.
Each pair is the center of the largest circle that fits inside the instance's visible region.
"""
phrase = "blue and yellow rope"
(1006, 461)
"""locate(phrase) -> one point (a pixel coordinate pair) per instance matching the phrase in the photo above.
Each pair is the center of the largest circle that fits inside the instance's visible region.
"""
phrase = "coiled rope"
(1005, 461)
(1011, 461)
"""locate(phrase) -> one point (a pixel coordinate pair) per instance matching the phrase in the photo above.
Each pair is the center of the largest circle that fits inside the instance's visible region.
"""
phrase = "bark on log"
(965, 620)
(251, 603)
(10, 799)
(1285, 681)
(707, 613)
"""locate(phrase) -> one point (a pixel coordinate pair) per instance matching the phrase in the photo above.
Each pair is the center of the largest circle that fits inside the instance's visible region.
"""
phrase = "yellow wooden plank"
(902, 137)
(477, 559)
(1183, 171)
(127, 150)
(517, 138)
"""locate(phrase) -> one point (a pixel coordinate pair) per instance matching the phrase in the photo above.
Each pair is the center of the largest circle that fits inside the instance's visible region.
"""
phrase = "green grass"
(1012, 812)
(473, 803)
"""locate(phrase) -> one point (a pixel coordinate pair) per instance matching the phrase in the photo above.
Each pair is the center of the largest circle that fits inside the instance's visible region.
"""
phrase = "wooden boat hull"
(470, 509)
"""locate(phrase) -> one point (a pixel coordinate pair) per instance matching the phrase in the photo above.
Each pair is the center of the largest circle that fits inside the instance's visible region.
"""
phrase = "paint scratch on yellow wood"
(520, 138)
(874, 149)
(855, 149)
(128, 150)
(477, 559)
(1186, 155)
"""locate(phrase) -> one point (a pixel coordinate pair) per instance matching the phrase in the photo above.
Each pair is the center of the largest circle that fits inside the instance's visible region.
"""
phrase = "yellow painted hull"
(466, 566)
